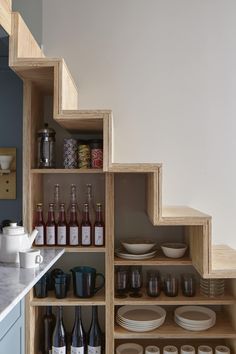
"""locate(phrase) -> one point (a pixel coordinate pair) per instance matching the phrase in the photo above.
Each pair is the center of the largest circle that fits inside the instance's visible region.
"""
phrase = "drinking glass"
(153, 283)
(188, 284)
(121, 282)
(136, 281)
(171, 285)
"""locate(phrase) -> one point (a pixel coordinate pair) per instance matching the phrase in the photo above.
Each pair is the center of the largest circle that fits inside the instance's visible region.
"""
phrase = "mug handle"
(39, 259)
(103, 282)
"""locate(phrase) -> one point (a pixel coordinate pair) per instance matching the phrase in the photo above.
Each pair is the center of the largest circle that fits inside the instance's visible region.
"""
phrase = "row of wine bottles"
(55, 338)
(72, 234)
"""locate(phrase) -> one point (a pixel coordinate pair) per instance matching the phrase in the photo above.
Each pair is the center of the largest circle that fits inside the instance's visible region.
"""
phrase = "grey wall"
(11, 102)
(31, 11)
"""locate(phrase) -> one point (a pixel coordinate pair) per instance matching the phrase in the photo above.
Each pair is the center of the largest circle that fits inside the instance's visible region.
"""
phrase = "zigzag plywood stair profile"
(51, 77)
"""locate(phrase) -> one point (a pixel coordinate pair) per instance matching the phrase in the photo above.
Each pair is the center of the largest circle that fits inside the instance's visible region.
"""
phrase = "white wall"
(167, 69)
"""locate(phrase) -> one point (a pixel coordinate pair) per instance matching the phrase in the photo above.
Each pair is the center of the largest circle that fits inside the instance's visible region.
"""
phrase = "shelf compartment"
(65, 170)
(78, 249)
(222, 329)
(179, 300)
(70, 300)
(159, 260)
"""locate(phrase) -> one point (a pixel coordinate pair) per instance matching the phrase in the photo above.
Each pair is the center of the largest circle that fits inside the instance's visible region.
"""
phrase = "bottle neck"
(39, 217)
(62, 217)
(99, 216)
(59, 314)
(77, 314)
(73, 217)
(49, 310)
(51, 217)
(94, 315)
(86, 217)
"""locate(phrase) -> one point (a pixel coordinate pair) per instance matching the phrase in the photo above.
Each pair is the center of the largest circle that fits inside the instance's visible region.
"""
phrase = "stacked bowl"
(195, 318)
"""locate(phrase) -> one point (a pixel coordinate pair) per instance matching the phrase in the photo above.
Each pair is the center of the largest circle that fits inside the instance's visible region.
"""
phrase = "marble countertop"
(15, 282)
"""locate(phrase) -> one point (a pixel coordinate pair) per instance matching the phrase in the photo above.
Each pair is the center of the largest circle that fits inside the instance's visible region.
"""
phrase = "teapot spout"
(33, 236)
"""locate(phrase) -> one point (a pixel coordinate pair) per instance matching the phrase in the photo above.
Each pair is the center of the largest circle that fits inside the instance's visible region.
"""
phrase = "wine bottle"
(56, 201)
(73, 227)
(98, 227)
(62, 227)
(40, 226)
(78, 337)
(48, 326)
(90, 202)
(59, 335)
(95, 334)
(73, 200)
(86, 234)
(51, 227)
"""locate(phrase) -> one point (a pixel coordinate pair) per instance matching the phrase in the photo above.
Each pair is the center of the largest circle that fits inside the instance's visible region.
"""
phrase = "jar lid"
(96, 143)
(46, 131)
(13, 229)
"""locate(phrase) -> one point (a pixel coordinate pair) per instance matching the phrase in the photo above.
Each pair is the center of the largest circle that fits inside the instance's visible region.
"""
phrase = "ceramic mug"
(170, 349)
(204, 349)
(152, 349)
(187, 349)
(30, 258)
(222, 349)
(84, 281)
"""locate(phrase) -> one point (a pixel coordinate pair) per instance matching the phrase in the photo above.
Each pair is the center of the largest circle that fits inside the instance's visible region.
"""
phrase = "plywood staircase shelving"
(43, 76)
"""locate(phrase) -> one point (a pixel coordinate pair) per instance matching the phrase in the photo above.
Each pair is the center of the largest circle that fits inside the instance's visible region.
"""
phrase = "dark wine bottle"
(78, 336)
(95, 334)
(48, 326)
(59, 335)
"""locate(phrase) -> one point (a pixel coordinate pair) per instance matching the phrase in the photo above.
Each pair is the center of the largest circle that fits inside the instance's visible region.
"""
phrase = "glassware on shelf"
(40, 226)
(90, 201)
(212, 287)
(153, 285)
(171, 285)
(62, 227)
(73, 227)
(188, 284)
(56, 201)
(51, 227)
(86, 229)
(46, 147)
(99, 232)
(121, 282)
(136, 281)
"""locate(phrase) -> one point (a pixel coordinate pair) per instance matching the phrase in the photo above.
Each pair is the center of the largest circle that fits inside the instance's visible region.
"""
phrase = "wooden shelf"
(65, 170)
(179, 300)
(222, 329)
(70, 300)
(159, 260)
(79, 249)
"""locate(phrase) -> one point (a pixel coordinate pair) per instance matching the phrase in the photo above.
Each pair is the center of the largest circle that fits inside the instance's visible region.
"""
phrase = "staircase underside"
(50, 76)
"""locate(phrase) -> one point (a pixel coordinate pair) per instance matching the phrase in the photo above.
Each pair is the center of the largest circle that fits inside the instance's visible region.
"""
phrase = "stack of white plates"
(140, 318)
(129, 348)
(125, 255)
(195, 318)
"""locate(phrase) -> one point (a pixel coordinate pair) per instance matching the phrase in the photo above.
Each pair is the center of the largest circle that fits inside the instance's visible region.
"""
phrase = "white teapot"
(13, 240)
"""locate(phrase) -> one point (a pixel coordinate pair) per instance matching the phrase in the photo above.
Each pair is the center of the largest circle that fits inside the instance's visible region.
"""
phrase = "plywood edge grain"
(5, 15)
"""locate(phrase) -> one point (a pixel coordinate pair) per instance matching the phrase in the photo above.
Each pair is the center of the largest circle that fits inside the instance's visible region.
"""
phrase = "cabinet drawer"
(10, 320)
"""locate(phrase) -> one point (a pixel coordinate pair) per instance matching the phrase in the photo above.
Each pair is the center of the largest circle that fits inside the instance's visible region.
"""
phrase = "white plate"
(138, 329)
(195, 315)
(125, 255)
(129, 348)
(194, 329)
(138, 326)
(141, 314)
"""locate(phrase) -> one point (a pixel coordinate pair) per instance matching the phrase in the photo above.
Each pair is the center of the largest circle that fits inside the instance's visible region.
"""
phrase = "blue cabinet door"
(12, 334)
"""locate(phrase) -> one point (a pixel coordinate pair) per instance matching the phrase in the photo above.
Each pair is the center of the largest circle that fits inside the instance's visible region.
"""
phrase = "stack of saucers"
(212, 287)
(195, 318)
(140, 318)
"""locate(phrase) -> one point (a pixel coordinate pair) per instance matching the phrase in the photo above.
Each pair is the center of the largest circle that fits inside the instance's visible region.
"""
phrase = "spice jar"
(84, 154)
(96, 147)
(70, 153)
(46, 147)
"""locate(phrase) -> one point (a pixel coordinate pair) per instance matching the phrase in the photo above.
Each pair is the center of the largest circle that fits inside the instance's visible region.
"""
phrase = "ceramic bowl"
(174, 250)
(5, 161)
(135, 246)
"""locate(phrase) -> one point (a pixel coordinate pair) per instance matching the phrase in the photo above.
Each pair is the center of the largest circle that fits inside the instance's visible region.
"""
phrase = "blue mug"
(84, 281)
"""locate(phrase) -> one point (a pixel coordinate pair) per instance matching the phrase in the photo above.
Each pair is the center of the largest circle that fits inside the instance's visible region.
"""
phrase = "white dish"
(174, 250)
(122, 254)
(129, 348)
(195, 315)
(138, 246)
(194, 328)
